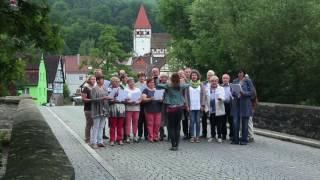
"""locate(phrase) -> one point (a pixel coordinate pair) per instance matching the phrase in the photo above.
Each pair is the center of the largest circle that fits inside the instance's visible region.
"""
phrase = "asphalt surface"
(266, 158)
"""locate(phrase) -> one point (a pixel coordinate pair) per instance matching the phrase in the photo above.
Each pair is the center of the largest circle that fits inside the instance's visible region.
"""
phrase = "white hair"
(210, 72)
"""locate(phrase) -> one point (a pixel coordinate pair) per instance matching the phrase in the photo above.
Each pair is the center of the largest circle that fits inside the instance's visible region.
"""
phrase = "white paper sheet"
(135, 96)
(236, 88)
(158, 94)
(122, 95)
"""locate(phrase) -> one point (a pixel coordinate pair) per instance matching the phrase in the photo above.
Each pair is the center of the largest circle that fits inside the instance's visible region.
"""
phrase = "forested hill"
(81, 21)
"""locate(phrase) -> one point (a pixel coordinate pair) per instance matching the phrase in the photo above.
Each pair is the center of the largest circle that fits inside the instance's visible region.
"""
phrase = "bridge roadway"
(266, 158)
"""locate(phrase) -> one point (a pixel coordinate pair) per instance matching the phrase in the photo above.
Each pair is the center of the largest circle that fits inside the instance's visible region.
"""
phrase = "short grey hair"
(214, 77)
(211, 72)
(130, 79)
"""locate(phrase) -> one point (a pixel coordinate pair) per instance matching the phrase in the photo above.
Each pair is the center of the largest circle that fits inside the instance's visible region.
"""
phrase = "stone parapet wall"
(291, 119)
(35, 153)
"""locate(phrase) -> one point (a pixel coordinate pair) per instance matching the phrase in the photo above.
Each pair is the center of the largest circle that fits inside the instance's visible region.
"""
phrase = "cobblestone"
(265, 159)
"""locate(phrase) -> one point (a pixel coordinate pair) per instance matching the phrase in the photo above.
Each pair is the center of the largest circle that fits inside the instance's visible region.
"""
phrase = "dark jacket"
(242, 106)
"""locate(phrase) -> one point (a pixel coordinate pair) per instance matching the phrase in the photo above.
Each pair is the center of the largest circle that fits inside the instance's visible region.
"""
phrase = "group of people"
(141, 113)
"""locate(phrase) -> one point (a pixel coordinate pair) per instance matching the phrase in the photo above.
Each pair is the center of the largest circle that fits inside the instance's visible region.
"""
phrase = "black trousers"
(142, 124)
(185, 123)
(227, 118)
(204, 119)
(216, 122)
(174, 126)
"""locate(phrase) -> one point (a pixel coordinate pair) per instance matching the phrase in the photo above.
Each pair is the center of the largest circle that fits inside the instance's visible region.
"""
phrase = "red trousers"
(153, 125)
(116, 125)
(131, 116)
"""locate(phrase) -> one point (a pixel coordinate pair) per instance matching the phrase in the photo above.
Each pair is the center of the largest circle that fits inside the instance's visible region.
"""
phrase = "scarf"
(195, 84)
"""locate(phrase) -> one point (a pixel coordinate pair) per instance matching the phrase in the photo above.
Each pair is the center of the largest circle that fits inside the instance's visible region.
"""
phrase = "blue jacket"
(242, 106)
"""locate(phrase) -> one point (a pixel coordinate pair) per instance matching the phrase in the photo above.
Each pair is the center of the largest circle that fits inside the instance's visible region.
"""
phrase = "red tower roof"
(142, 21)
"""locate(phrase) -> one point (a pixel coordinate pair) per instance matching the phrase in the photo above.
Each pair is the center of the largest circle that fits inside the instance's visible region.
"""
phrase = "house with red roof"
(149, 48)
(76, 72)
(49, 69)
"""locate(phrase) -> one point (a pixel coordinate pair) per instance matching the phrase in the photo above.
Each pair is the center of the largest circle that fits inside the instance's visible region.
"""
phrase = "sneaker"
(111, 143)
(243, 143)
(251, 140)
(94, 146)
(219, 140)
(192, 140)
(135, 139)
(87, 141)
(197, 140)
(105, 137)
(101, 145)
(121, 142)
(128, 140)
(210, 139)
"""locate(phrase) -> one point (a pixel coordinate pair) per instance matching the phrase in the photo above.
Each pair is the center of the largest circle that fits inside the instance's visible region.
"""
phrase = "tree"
(277, 42)
(24, 28)
(108, 53)
(86, 46)
(84, 19)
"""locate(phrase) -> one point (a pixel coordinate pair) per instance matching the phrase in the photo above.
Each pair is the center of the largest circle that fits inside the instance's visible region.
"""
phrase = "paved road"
(265, 159)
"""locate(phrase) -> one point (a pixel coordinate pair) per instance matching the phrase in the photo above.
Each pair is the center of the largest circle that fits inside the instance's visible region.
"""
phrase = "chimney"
(78, 59)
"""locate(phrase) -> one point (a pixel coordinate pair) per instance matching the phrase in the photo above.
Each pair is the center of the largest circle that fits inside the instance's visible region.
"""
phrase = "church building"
(149, 48)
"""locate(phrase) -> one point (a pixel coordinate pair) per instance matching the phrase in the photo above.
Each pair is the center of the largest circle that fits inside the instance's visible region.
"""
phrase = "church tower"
(142, 34)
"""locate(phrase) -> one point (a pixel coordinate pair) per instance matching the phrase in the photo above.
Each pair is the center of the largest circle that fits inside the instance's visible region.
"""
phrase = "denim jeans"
(195, 123)
(96, 131)
(244, 129)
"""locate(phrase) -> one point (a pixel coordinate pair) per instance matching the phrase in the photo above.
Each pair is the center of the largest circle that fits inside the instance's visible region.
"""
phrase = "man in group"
(86, 98)
(142, 126)
(227, 104)
(187, 73)
(164, 118)
(155, 73)
(185, 118)
(254, 101)
(106, 84)
(205, 114)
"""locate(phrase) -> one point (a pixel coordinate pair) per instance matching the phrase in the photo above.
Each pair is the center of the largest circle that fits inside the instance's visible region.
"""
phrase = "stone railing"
(291, 119)
(35, 153)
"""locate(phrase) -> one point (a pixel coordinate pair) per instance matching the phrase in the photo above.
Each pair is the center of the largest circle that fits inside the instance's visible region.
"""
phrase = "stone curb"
(287, 137)
(13, 99)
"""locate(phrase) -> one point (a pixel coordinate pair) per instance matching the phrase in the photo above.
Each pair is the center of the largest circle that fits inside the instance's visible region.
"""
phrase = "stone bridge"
(266, 158)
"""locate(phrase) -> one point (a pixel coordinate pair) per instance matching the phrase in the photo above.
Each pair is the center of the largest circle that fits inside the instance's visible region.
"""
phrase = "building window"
(81, 78)
(148, 33)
